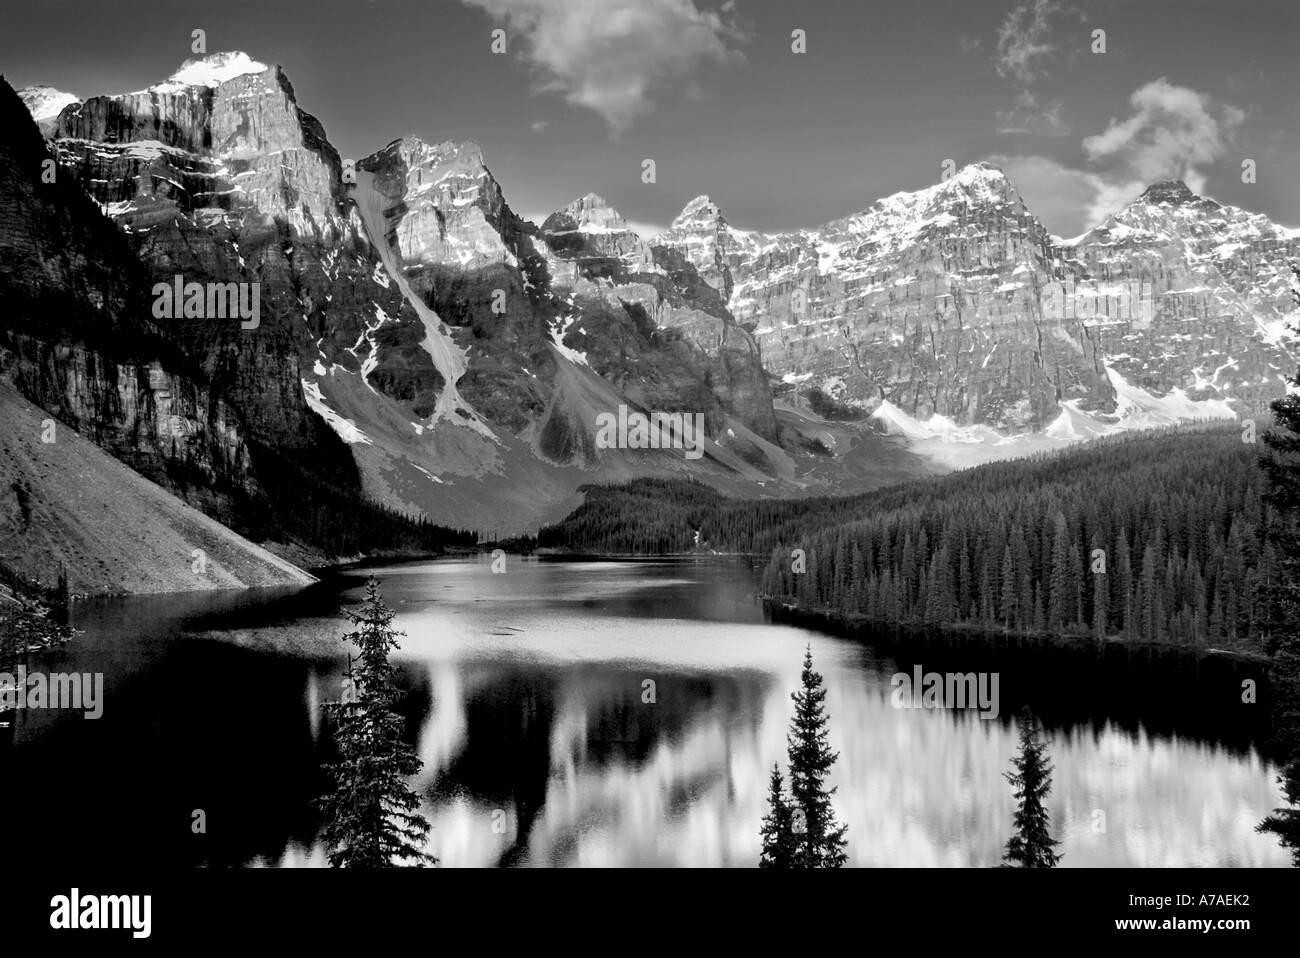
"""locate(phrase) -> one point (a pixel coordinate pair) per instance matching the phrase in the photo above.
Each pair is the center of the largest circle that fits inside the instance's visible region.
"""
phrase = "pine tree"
(819, 839)
(370, 818)
(778, 826)
(1281, 467)
(1059, 584)
(1031, 846)
(1008, 588)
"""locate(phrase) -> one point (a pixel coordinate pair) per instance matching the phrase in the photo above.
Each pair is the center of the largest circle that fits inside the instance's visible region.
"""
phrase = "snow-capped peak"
(45, 102)
(211, 71)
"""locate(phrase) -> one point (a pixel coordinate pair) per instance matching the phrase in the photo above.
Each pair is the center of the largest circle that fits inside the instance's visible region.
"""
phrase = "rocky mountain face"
(538, 332)
(954, 301)
(404, 307)
(1219, 282)
(600, 265)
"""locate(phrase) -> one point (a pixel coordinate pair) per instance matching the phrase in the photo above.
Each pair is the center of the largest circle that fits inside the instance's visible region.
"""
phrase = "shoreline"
(839, 623)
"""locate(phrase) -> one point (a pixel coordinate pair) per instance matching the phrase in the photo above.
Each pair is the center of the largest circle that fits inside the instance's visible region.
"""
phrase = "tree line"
(1158, 538)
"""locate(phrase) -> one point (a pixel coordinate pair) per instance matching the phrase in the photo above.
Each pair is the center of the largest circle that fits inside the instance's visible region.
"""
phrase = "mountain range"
(424, 347)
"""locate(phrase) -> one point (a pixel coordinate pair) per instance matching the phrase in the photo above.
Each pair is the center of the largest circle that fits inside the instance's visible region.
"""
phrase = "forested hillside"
(1155, 536)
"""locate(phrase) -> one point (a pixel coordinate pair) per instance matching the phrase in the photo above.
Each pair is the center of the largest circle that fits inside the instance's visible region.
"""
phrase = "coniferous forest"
(1157, 536)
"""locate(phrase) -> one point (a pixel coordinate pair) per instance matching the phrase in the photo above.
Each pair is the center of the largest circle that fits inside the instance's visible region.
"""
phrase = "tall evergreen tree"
(1031, 845)
(821, 842)
(370, 818)
(1281, 466)
(778, 826)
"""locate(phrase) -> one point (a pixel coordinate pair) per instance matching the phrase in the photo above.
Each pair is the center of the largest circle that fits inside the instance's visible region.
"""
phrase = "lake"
(527, 701)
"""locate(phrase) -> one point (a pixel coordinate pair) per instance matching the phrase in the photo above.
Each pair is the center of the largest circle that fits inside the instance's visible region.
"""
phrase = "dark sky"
(886, 91)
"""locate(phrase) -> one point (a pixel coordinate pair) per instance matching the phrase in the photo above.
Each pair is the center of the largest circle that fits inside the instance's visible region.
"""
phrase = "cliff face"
(78, 338)
(162, 424)
(69, 507)
(949, 301)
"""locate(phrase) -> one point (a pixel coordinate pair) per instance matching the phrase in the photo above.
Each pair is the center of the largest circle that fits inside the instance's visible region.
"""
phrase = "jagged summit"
(448, 149)
(589, 213)
(1169, 191)
(434, 165)
(700, 213)
(979, 179)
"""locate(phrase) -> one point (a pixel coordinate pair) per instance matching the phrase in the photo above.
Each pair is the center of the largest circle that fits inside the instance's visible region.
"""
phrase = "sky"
(882, 95)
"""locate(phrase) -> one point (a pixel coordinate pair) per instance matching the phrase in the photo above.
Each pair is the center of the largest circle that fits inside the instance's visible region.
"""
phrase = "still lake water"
(525, 703)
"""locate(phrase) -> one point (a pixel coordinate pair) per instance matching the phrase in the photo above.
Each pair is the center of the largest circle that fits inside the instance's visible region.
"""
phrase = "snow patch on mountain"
(1139, 409)
(897, 422)
(45, 102)
(558, 329)
(952, 446)
(210, 71)
(346, 428)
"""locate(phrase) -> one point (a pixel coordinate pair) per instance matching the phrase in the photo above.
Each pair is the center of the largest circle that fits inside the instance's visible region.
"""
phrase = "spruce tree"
(1281, 466)
(370, 818)
(778, 826)
(1031, 846)
(820, 839)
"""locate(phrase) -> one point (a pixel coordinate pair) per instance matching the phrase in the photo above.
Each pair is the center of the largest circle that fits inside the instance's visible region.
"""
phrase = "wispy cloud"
(1025, 39)
(613, 56)
(1030, 116)
(1025, 44)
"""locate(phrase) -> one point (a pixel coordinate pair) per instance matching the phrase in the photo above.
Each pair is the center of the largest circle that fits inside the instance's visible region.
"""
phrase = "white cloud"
(540, 126)
(609, 56)
(1172, 132)
(1024, 38)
